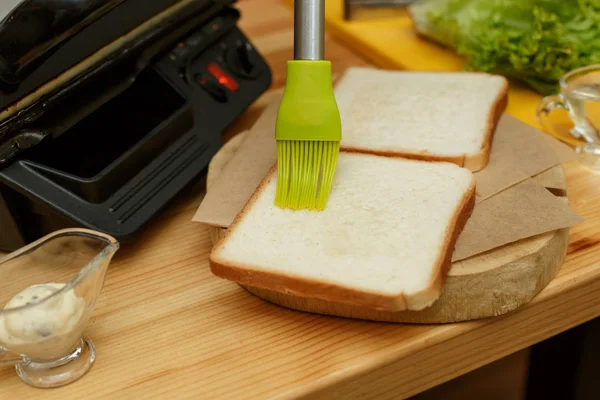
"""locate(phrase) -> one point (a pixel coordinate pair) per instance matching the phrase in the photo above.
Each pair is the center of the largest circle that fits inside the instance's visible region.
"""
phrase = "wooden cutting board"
(485, 285)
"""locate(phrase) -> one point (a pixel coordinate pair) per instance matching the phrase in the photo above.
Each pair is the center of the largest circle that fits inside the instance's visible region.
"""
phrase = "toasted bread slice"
(384, 241)
(433, 116)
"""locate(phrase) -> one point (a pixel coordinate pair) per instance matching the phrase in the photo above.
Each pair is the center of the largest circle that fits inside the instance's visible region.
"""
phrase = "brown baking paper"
(510, 206)
(519, 151)
(525, 210)
(242, 174)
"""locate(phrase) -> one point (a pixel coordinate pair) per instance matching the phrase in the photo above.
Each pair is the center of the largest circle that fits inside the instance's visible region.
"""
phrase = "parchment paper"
(519, 151)
(526, 209)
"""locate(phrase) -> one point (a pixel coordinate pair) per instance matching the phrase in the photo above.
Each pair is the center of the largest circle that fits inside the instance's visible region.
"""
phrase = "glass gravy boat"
(48, 290)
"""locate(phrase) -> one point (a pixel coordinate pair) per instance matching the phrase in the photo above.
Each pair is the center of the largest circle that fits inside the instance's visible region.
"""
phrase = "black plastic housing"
(120, 146)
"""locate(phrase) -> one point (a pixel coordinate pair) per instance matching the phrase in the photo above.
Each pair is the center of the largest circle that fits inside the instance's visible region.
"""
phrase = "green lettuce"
(533, 41)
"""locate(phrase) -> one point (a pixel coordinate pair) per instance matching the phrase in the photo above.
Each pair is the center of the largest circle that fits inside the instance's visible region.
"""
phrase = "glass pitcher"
(48, 290)
(579, 99)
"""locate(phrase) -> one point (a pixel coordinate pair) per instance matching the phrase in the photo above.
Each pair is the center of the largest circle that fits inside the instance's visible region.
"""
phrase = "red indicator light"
(223, 78)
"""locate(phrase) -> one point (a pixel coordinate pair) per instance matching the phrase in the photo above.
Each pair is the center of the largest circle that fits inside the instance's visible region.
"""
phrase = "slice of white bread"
(384, 241)
(435, 116)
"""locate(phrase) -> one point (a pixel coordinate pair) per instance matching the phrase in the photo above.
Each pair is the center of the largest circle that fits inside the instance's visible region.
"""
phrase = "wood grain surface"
(165, 327)
(486, 285)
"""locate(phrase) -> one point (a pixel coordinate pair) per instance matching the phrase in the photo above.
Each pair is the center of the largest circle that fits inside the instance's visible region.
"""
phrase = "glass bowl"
(48, 290)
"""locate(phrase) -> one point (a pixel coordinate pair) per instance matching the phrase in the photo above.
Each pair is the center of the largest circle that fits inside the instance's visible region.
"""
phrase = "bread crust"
(474, 162)
(438, 277)
(250, 275)
(480, 160)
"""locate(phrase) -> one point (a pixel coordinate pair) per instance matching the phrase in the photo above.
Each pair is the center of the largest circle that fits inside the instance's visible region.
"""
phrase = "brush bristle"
(305, 171)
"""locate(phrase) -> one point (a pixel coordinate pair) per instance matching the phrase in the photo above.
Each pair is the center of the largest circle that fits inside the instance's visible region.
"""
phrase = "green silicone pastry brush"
(308, 128)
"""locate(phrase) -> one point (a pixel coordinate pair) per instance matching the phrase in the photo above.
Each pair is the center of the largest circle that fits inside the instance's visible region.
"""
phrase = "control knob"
(242, 60)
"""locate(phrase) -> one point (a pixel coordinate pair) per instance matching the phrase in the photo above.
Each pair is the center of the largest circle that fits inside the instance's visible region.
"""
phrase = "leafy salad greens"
(533, 41)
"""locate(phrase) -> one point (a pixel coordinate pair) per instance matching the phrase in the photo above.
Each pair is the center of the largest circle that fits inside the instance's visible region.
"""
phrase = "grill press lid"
(94, 39)
(31, 30)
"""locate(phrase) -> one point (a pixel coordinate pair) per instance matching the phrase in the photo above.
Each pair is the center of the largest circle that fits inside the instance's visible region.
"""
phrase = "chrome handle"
(309, 29)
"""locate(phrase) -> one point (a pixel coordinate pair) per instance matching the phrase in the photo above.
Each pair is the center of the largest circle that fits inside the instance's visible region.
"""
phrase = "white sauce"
(44, 331)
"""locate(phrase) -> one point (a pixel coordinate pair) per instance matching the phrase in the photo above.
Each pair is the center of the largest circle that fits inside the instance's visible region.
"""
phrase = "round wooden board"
(485, 285)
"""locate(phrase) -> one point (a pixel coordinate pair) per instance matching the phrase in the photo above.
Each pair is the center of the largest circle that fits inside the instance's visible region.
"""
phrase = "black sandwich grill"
(109, 109)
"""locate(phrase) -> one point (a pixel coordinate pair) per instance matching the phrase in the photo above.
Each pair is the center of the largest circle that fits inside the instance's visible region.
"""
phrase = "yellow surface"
(393, 44)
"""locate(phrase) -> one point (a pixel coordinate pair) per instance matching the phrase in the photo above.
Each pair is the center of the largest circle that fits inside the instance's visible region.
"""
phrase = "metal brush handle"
(309, 29)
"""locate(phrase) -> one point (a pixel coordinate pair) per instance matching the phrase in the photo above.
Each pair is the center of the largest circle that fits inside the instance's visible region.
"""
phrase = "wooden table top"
(165, 326)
